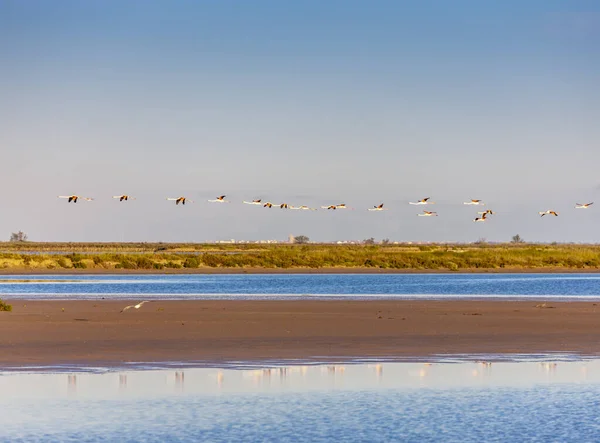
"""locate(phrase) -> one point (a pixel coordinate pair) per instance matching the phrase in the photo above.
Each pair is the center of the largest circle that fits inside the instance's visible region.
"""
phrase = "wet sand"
(96, 333)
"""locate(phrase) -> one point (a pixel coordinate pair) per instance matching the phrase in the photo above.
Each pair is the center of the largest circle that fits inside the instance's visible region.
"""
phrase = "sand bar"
(96, 333)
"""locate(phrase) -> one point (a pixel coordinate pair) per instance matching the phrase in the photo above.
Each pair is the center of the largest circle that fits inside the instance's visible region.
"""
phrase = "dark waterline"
(555, 357)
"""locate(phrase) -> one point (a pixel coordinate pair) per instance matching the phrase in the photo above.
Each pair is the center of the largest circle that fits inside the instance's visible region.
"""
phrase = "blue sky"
(307, 102)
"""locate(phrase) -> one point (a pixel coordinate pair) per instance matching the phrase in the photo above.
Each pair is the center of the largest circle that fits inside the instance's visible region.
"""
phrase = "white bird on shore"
(138, 306)
(253, 202)
(428, 214)
(123, 197)
(583, 206)
(220, 199)
(377, 208)
(181, 200)
(481, 219)
(424, 201)
(474, 202)
(548, 212)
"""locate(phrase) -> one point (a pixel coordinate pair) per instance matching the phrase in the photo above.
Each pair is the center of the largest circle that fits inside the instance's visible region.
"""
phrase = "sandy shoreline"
(229, 271)
(96, 333)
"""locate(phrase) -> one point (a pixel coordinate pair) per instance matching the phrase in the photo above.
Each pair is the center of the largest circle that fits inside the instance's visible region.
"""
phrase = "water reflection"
(72, 383)
(207, 381)
(543, 287)
(383, 402)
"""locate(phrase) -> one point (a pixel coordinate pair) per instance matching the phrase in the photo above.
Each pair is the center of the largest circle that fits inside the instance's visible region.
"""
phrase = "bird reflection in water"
(122, 381)
(297, 369)
(72, 383)
(255, 375)
(334, 369)
(424, 371)
(548, 367)
(484, 367)
(378, 369)
(283, 373)
(179, 380)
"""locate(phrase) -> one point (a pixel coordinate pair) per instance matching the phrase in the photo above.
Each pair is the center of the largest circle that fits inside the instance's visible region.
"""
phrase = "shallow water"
(467, 401)
(304, 286)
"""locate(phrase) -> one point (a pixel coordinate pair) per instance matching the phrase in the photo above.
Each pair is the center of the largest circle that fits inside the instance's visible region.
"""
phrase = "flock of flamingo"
(482, 215)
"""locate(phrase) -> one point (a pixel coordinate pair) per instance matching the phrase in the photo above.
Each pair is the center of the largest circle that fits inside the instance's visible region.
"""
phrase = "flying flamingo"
(303, 208)
(220, 199)
(74, 198)
(481, 219)
(340, 206)
(181, 200)
(124, 197)
(424, 201)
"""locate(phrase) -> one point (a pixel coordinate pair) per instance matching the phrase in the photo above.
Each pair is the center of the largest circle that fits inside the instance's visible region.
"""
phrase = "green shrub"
(452, 266)
(212, 260)
(75, 257)
(79, 265)
(144, 263)
(394, 256)
(191, 262)
(126, 264)
(5, 306)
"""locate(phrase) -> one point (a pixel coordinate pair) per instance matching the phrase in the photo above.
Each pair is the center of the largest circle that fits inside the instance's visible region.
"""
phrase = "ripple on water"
(552, 397)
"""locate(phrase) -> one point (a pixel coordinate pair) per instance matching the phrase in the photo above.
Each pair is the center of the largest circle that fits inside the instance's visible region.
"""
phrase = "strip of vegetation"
(322, 256)
(5, 307)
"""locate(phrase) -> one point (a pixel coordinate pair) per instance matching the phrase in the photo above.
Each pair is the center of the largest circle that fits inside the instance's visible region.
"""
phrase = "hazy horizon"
(309, 103)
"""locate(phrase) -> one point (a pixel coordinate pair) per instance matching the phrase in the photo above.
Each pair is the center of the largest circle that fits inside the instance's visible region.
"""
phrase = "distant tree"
(385, 241)
(517, 239)
(369, 241)
(301, 239)
(18, 236)
(481, 241)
